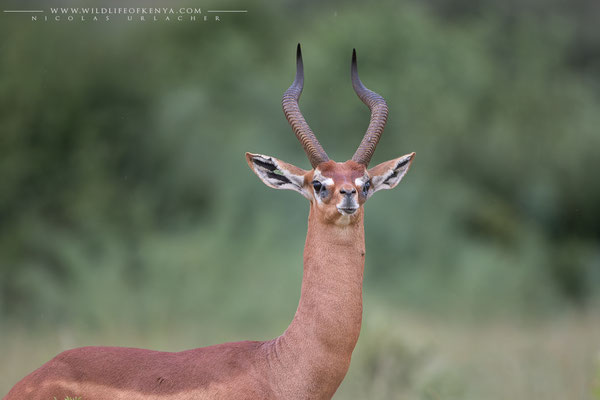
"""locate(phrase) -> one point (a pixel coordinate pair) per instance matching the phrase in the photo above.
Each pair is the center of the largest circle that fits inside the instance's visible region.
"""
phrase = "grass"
(399, 356)
(596, 389)
(420, 358)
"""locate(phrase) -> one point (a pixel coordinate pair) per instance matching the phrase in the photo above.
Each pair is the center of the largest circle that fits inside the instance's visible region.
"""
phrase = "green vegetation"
(128, 213)
(597, 380)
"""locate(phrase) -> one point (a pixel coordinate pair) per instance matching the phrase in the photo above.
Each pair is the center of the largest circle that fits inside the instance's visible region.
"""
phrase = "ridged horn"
(379, 114)
(307, 138)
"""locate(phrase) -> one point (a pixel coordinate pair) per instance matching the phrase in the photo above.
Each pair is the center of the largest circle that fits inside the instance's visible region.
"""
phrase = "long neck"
(319, 342)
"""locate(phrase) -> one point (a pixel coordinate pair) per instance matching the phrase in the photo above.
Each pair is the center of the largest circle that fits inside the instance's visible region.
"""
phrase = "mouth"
(347, 210)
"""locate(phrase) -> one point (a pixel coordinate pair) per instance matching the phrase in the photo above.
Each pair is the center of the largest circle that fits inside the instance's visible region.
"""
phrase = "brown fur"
(308, 361)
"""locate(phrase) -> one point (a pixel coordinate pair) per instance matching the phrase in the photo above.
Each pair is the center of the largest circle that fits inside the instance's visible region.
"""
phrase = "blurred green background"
(128, 215)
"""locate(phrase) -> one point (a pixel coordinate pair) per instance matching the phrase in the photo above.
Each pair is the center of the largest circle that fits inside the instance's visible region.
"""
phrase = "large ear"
(278, 174)
(388, 174)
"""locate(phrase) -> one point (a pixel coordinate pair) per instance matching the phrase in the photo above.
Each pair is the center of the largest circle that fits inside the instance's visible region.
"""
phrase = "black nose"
(347, 192)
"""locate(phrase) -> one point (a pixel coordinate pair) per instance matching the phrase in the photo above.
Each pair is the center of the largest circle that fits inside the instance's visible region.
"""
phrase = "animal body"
(310, 359)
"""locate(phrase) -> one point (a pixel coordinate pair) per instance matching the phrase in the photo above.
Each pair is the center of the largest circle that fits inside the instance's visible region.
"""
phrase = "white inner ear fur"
(390, 178)
(272, 173)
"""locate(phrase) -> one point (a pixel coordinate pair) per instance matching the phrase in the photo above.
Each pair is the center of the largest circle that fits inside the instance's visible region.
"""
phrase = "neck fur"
(318, 344)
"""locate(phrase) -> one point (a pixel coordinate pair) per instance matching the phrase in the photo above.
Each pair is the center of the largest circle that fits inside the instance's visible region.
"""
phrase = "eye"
(317, 185)
(366, 187)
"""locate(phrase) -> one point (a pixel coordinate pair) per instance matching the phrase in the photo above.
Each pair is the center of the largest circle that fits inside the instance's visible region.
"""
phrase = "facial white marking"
(347, 209)
(325, 181)
(319, 201)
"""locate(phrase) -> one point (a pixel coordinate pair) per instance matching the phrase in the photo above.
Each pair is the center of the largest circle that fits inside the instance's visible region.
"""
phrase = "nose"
(347, 190)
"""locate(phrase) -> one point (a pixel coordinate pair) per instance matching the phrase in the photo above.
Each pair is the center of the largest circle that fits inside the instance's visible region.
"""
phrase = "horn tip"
(299, 62)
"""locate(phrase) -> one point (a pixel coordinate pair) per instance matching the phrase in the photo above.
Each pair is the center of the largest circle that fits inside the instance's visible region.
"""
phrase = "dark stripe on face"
(270, 167)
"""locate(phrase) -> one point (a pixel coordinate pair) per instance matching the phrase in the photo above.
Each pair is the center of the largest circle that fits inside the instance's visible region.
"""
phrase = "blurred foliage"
(596, 387)
(125, 196)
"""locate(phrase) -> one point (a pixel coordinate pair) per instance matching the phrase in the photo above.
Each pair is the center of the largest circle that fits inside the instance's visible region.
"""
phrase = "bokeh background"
(128, 215)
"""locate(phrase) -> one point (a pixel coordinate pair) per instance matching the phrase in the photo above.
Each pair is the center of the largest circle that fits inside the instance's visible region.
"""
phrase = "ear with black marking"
(278, 174)
(388, 174)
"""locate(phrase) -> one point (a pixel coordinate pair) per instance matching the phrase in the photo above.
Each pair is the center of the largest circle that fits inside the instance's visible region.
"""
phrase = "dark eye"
(317, 185)
(366, 187)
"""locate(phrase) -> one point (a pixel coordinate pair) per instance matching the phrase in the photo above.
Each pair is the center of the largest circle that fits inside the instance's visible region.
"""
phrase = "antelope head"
(337, 191)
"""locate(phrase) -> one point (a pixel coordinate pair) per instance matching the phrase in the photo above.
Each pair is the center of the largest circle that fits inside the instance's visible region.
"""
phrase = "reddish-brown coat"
(308, 361)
